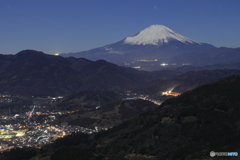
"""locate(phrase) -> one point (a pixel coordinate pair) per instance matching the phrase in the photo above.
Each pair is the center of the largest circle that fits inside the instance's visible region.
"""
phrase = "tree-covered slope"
(87, 99)
(186, 127)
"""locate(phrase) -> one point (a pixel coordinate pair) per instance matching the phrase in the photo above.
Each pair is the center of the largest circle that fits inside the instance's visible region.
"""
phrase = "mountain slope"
(212, 56)
(102, 75)
(109, 114)
(187, 127)
(87, 99)
(34, 73)
(39, 79)
(78, 63)
(184, 82)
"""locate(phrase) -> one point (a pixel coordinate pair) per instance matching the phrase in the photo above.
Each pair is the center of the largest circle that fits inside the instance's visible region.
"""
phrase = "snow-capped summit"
(156, 35)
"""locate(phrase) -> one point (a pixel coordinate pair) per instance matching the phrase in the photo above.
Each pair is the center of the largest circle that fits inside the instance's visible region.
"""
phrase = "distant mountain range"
(31, 72)
(34, 73)
(158, 47)
(211, 56)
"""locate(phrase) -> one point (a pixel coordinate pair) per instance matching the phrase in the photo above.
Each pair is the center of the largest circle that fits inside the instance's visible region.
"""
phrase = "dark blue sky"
(62, 26)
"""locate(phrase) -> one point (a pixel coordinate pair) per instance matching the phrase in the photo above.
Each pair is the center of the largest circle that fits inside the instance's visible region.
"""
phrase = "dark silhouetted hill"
(186, 127)
(109, 114)
(183, 82)
(32, 72)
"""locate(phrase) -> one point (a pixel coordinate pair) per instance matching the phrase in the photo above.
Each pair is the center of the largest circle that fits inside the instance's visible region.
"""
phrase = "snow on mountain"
(157, 35)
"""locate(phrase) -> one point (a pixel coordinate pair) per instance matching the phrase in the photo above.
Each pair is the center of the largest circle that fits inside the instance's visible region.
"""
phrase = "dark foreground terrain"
(186, 127)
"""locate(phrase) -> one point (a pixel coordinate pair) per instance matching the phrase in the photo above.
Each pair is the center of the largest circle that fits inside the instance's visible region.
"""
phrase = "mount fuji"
(157, 35)
(154, 42)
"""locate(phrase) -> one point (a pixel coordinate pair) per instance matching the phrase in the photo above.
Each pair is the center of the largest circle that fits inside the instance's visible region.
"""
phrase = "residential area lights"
(25, 132)
(36, 135)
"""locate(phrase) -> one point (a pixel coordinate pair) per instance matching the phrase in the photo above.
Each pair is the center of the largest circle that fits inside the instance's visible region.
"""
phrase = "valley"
(46, 119)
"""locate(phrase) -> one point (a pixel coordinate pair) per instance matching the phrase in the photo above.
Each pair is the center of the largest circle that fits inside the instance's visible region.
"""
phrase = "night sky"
(63, 26)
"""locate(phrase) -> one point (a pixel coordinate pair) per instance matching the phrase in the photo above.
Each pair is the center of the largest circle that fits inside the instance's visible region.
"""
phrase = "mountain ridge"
(50, 75)
(37, 74)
